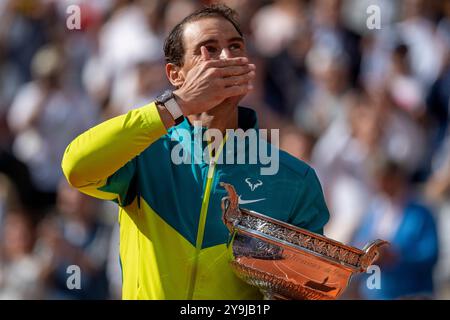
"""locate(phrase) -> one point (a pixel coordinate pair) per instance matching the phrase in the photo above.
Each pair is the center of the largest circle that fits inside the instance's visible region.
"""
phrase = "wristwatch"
(167, 100)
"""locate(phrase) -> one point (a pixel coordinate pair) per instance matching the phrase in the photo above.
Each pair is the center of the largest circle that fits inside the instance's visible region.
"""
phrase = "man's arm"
(98, 153)
(102, 157)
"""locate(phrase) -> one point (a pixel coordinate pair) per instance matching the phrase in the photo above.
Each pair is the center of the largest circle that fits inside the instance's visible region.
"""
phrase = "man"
(172, 239)
(399, 216)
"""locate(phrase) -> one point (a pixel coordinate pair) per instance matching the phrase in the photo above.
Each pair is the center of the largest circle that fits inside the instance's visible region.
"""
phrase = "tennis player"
(172, 238)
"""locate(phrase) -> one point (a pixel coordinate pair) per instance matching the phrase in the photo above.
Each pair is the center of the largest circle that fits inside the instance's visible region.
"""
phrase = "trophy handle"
(230, 207)
(371, 253)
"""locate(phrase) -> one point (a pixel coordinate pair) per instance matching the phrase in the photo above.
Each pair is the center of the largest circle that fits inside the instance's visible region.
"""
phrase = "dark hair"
(173, 45)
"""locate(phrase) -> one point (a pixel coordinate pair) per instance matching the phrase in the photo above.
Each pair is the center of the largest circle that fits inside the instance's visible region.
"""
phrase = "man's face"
(219, 37)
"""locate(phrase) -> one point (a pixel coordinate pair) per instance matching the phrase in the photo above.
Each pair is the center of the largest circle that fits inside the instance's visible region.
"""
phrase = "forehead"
(208, 28)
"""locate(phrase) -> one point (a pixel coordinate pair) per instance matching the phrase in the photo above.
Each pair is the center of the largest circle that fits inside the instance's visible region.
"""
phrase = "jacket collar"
(189, 136)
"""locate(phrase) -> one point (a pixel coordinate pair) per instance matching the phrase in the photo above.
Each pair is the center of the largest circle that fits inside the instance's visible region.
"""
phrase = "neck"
(223, 116)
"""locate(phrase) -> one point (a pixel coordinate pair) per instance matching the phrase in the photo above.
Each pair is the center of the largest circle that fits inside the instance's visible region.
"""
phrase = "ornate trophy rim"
(275, 231)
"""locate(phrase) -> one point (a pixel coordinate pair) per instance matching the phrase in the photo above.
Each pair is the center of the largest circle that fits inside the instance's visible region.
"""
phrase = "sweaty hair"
(173, 45)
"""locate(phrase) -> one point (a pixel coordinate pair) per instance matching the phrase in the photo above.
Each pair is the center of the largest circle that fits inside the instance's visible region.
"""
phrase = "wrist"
(165, 116)
(168, 101)
(181, 102)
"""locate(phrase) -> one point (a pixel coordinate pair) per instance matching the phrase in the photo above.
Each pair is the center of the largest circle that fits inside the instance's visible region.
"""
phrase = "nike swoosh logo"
(249, 201)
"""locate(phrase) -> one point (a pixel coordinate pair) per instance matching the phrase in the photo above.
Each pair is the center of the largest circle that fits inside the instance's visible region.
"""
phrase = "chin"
(230, 103)
(233, 100)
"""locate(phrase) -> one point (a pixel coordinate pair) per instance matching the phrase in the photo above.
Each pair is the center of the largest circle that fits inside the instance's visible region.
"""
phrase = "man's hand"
(212, 81)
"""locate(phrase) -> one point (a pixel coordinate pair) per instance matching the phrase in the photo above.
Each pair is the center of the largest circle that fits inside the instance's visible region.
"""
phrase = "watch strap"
(174, 109)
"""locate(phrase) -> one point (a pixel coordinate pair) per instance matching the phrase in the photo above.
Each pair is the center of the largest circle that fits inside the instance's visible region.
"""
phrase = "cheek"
(187, 66)
(240, 53)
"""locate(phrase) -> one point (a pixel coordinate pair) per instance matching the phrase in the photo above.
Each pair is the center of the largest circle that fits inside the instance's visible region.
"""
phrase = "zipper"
(202, 220)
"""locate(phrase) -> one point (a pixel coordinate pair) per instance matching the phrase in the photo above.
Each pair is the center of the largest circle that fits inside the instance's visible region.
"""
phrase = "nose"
(225, 53)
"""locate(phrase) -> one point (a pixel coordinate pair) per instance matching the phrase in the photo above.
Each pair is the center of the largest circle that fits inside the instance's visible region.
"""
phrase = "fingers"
(230, 77)
(237, 90)
(235, 70)
(229, 62)
(239, 80)
(205, 53)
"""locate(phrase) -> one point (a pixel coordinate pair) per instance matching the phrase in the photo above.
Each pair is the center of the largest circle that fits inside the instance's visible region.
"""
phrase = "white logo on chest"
(253, 186)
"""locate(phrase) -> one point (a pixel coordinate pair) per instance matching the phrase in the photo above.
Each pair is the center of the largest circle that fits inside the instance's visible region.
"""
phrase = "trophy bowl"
(286, 262)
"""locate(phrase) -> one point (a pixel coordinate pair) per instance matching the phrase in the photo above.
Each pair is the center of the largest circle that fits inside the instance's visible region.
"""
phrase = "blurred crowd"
(367, 108)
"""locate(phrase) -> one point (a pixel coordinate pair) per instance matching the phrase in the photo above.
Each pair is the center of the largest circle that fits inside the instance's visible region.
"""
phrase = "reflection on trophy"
(287, 262)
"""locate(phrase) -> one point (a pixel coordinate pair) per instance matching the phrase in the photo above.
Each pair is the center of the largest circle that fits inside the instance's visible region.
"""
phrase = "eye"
(235, 46)
(211, 49)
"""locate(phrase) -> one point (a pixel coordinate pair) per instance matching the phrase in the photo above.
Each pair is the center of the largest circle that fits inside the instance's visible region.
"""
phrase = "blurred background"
(368, 109)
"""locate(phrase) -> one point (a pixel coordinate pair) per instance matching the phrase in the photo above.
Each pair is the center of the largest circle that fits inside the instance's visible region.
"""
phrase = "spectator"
(342, 155)
(275, 25)
(44, 116)
(400, 217)
(75, 236)
(297, 143)
(20, 268)
(406, 91)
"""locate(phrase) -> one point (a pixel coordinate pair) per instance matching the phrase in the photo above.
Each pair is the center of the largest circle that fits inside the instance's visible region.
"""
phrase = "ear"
(175, 75)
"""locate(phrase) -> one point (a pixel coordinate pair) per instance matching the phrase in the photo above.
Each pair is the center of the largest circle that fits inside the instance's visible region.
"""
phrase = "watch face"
(165, 97)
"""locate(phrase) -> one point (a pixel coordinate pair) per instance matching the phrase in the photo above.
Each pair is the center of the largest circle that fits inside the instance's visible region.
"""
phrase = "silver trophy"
(287, 262)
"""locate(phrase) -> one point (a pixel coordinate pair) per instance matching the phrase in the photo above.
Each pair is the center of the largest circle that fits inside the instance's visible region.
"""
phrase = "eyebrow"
(214, 41)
